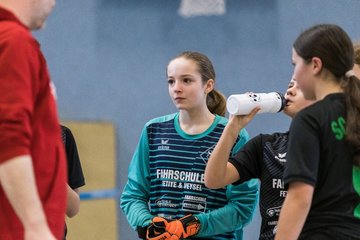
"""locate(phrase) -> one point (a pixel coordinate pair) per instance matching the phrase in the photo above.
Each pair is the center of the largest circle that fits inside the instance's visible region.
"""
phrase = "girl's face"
(186, 88)
(356, 70)
(295, 99)
(304, 76)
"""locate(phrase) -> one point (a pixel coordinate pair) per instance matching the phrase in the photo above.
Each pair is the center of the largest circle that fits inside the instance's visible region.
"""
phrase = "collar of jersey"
(194, 136)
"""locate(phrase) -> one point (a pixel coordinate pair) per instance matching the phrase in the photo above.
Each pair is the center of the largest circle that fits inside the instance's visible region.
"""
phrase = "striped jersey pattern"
(177, 164)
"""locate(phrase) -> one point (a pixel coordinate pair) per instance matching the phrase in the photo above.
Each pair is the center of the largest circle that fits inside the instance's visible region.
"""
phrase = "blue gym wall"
(108, 59)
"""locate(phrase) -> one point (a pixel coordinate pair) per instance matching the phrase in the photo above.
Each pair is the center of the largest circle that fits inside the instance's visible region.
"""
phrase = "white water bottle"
(242, 104)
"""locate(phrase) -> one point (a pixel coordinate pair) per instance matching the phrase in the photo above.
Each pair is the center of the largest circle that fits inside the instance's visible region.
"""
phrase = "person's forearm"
(73, 202)
(216, 167)
(18, 181)
(219, 172)
(294, 211)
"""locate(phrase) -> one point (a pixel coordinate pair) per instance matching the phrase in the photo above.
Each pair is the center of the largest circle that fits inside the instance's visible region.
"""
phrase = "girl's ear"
(317, 65)
(209, 86)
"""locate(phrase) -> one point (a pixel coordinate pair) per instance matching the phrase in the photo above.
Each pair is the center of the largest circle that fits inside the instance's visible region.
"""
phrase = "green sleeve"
(135, 196)
(242, 201)
(235, 215)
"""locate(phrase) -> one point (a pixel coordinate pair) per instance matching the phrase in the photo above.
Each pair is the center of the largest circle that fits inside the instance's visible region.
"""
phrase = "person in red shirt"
(32, 157)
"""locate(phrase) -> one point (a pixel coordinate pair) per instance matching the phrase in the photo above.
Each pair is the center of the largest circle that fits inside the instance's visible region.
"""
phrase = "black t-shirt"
(319, 155)
(75, 173)
(263, 157)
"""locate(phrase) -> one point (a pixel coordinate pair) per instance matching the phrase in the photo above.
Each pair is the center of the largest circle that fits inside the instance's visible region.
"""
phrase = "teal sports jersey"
(166, 179)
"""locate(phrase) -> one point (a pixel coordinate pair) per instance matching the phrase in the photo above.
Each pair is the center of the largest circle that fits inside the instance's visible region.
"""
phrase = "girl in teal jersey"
(166, 174)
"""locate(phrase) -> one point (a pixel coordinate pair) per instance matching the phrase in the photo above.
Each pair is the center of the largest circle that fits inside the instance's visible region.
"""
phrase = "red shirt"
(29, 125)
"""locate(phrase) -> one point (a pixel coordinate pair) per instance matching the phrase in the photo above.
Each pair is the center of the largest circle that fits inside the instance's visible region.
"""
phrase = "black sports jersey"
(263, 157)
(319, 155)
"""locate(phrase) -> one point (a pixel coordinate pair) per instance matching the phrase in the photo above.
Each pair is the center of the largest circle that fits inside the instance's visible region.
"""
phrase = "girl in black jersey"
(263, 157)
(323, 168)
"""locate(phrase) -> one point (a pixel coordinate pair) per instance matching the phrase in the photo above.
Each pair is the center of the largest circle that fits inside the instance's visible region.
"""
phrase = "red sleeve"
(16, 93)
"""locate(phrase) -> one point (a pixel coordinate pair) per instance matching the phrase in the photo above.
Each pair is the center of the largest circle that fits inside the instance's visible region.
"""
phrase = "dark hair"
(333, 46)
(215, 100)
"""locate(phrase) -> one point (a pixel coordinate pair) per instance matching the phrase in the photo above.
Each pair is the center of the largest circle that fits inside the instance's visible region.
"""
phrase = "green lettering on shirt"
(356, 181)
(338, 128)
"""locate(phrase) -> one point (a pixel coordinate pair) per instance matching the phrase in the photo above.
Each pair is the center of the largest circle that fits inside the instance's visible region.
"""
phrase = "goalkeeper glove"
(184, 227)
(157, 230)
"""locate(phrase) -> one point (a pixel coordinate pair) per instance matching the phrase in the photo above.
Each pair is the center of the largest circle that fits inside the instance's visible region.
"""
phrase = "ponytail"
(216, 102)
(351, 88)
